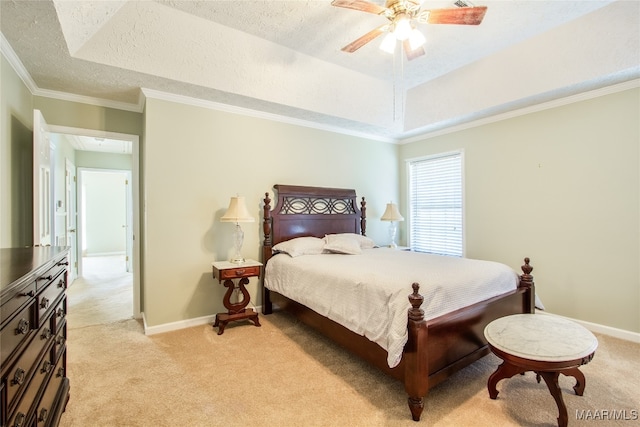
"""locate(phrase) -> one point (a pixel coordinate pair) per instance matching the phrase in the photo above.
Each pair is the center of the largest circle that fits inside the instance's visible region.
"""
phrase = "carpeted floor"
(283, 374)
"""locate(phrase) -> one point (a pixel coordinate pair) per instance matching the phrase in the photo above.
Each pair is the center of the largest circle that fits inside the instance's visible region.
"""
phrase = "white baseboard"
(182, 324)
(97, 254)
(174, 326)
(602, 329)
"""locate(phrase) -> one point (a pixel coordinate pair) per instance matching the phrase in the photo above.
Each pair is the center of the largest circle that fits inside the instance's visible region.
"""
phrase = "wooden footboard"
(436, 348)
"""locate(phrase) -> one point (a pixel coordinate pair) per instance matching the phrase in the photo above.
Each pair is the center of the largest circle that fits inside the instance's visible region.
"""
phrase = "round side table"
(547, 345)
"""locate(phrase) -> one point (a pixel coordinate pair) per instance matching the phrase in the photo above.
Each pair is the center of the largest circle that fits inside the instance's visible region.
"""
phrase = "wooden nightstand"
(227, 271)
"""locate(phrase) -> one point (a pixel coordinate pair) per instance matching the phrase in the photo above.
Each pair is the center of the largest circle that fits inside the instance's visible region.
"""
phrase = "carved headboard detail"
(310, 211)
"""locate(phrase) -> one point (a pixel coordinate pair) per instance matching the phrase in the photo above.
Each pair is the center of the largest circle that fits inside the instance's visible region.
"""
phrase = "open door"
(70, 203)
(42, 186)
(128, 223)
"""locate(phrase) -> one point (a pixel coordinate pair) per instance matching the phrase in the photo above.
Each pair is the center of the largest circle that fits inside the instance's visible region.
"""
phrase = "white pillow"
(300, 246)
(364, 241)
(342, 245)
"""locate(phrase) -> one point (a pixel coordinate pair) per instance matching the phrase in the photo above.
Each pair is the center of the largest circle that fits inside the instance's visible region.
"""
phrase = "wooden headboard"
(310, 211)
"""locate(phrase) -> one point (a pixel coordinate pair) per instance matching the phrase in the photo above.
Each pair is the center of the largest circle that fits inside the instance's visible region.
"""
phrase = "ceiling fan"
(403, 15)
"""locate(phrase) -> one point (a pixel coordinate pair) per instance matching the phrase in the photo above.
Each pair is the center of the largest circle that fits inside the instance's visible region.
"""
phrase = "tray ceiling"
(283, 58)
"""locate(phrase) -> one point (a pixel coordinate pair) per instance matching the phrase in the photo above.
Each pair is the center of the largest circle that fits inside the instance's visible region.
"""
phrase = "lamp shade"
(237, 211)
(391, 213)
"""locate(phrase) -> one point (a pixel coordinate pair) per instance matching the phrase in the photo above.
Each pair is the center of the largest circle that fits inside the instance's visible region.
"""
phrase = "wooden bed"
(436, 348)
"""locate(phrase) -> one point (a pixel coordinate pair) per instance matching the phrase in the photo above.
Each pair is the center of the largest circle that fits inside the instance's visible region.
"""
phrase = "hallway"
(103, 295)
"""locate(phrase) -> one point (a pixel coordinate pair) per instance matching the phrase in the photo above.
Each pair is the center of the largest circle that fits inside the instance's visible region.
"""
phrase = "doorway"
(104, 207)
(132, 227)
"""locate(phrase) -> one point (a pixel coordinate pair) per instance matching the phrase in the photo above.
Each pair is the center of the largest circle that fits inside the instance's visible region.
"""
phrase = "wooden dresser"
(34, 389)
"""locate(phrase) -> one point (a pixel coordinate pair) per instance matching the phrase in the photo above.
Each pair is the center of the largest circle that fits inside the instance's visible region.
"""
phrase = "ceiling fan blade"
(358, 43)
(412, 54)
(459, 15)
(360, 5)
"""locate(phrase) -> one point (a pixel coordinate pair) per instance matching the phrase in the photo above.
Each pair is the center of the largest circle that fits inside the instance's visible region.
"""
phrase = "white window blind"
(435, 203)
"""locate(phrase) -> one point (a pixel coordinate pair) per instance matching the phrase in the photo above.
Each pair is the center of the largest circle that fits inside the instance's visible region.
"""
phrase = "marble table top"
(225, 265)
(541, 337)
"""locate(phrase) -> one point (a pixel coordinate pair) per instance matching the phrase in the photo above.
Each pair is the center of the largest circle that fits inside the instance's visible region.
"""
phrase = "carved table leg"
(236, 311)
(505, 370)
(551, 378)
(580, 380)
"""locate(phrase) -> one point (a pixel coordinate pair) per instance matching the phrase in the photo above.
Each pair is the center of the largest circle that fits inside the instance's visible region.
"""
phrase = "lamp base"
(238, 238)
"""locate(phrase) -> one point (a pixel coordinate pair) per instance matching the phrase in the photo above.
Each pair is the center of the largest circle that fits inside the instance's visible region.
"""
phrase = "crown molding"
(16, 64)
(24, 75)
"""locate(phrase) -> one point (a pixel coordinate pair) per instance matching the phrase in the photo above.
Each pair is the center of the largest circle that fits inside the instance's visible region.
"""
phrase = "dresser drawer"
(60, 341)
(49, 295)
(48, 276)
(236, 273)
(19, 417)
(59, 315)
(44, 368)
(16, 332)
(18, 377)
(45, 410)
(16, 300)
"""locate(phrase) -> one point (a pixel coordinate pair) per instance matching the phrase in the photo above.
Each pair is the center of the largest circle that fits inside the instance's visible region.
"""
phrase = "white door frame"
(43, 182)
(128, 235)
(135, 190)
(71, 226)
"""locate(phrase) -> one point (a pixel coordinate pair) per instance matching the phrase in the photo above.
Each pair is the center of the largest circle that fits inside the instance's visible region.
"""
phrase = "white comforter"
(367, 293)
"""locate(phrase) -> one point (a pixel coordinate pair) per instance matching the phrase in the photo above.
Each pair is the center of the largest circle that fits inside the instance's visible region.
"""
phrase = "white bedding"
(367, 293)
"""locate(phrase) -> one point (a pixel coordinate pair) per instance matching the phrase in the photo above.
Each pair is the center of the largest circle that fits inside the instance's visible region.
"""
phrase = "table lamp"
(237, 212)
(392, 215)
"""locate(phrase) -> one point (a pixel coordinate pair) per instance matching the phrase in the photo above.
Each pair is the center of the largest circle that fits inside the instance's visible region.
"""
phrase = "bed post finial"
(526, 282)
(526, 279)
(416, 300)
(266, 222)
(363, 217)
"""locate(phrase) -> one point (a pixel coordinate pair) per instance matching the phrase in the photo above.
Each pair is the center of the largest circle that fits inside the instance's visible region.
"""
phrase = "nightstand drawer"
(239, 272)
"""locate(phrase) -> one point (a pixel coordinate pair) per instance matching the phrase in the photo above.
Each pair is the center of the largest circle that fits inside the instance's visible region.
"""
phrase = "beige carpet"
(283, 374)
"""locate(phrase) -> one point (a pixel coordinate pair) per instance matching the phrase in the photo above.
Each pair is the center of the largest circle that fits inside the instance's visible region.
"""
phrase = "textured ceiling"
(283, 58)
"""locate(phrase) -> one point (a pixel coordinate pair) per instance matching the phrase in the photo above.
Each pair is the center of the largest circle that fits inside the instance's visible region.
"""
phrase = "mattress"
(367, 293)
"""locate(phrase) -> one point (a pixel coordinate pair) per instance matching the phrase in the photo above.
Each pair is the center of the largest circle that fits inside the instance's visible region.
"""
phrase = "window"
(435, 204)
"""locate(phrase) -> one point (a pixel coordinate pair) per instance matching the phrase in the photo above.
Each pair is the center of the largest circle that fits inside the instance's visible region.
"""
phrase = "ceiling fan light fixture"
(388, 43)
(402, 27)
(416, 39)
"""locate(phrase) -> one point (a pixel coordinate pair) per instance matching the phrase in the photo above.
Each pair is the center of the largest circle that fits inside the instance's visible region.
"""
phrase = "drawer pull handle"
(49, 277)
(23, 327)
(60, 340)
(18, 377)
(43, 415)
(62, 263)
(60, 372)
(241, 271)
(46, 367)
(61, 283)
(46, 334)
(44, 303)
(60, 312)
(28, 294)
(18, 422)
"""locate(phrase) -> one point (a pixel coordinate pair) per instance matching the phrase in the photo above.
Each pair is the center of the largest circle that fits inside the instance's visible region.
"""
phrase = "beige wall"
(16, 154)
(562, 187)
(196, 159)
